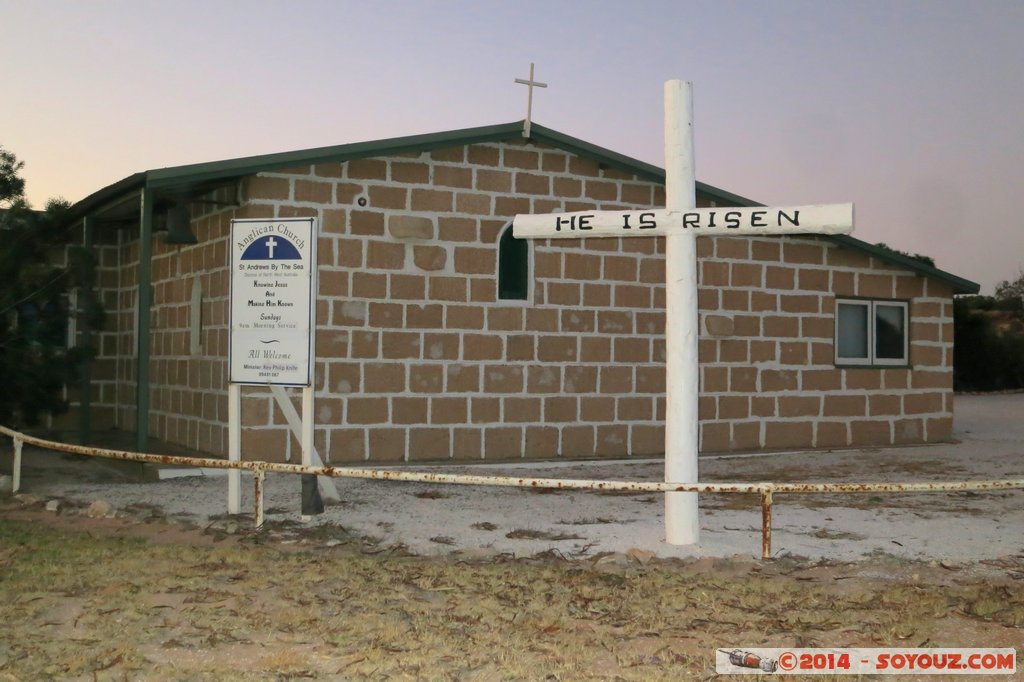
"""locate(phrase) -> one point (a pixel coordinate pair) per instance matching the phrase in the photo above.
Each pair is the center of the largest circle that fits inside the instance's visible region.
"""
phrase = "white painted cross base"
(680, 222)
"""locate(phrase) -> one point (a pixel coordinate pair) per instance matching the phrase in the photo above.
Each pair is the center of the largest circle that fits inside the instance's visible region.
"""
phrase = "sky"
(911, 110)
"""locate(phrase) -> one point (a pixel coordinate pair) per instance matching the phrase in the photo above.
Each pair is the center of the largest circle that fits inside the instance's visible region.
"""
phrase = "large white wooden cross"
(681, 223)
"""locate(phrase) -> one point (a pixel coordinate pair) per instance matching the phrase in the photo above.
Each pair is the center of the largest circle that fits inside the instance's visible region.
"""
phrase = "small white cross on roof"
(530, 85)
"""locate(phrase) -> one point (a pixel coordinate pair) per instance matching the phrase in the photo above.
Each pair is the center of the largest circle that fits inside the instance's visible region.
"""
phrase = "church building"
(440, 336)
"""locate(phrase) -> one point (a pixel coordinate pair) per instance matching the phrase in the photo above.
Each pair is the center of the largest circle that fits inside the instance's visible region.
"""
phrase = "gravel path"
(433, 519)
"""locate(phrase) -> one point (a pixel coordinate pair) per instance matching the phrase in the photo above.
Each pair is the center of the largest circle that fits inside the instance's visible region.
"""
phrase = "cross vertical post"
(682, 370)
(530, 85)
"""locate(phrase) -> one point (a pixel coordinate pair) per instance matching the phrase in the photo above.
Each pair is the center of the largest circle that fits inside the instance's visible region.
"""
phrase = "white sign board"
(722, 221)
(273, 278)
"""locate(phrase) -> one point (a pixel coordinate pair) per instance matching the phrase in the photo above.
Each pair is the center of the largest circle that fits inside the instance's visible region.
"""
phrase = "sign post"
(681, 223)
(273, 299)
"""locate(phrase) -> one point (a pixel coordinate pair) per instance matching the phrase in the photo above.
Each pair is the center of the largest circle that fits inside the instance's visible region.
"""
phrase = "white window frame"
(871, 360)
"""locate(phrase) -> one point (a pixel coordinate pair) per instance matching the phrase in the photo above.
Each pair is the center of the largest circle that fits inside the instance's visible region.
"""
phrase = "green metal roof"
(194, 178)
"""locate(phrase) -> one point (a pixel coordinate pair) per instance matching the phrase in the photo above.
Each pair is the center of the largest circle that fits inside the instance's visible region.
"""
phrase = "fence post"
(258, 478)
(16, 473)
(766, 523)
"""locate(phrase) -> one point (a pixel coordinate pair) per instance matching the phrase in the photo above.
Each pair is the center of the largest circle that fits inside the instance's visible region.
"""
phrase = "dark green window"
(513, 267)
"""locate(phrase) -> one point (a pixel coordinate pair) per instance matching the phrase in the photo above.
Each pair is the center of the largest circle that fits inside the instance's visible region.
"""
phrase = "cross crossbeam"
(723, 221)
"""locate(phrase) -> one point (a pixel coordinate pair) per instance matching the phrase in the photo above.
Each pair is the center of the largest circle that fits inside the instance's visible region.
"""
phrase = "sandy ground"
(435, 519)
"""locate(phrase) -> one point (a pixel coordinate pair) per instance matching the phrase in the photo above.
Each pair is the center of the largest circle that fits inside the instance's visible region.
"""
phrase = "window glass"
(871, 332)
(852, 330)
(890, 332)
(513, 267)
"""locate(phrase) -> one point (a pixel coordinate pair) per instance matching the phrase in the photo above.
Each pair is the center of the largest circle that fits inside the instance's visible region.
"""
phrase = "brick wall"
(189, 385)
(418, 360)
(768, 375)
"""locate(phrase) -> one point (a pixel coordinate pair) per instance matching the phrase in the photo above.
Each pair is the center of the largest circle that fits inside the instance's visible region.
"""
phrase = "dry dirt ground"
(417, 582)
(116, 599)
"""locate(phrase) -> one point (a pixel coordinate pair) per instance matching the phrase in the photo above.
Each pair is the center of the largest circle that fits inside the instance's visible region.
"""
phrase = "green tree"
(988, 344)
(35, 359)
(12, 185)
(927, 260)
(1011, 293)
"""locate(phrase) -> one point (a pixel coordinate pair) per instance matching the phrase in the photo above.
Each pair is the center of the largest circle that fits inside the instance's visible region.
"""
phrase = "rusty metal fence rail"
(766, 489)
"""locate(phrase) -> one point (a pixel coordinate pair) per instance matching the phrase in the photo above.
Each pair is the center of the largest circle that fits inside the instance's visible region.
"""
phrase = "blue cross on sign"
(271, 248)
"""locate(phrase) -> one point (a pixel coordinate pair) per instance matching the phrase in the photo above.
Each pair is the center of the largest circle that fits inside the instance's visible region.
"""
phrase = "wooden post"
(144, 305)
(307, 426)
(328, 489)
(766, 524)
(682, 378)
(86, 301)
(16, 473)
(258, 479)
(234, 447)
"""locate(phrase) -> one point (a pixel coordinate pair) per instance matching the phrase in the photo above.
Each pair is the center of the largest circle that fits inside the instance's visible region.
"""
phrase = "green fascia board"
(645, 171)
(233, 168)
(202, 173)
(553, 138)
(958, 284)
(108, 195)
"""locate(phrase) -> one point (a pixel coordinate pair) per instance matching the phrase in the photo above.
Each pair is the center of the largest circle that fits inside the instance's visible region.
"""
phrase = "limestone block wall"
(418, 359)
(122, 320)
(768, 376)
(188, 375)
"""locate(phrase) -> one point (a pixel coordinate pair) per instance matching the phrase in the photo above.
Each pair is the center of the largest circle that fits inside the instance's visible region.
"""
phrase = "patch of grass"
(543, 491)
(484, 525)
(618, 493)
(529, 534)
(443, 540)
(826, 534)
(431, 495)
